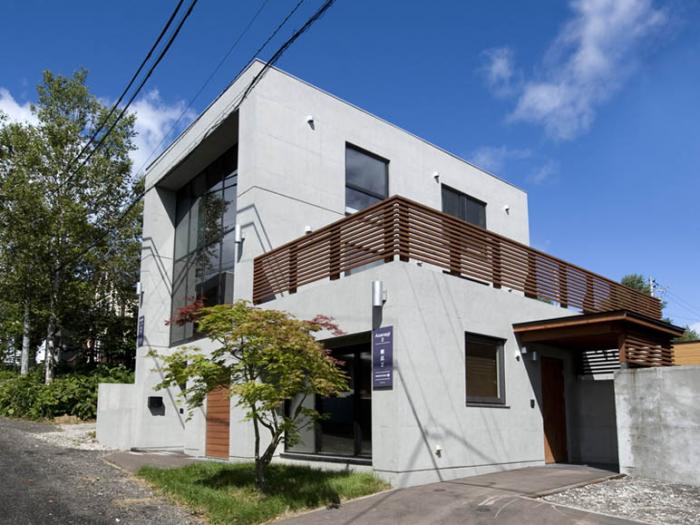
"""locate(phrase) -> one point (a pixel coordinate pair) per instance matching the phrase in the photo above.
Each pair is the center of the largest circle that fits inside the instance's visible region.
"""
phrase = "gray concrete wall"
(430, 312)
(594, 426)
(290, 175)
(658, 423)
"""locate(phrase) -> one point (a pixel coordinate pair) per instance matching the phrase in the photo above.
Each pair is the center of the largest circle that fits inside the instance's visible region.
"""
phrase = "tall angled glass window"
(205, 218)
(366, 179)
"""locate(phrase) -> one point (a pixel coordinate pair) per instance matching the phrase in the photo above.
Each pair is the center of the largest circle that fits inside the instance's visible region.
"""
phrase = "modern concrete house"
(488, 354)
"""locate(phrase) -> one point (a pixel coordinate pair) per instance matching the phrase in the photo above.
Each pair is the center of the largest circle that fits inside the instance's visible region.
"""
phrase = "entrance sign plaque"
(383, 358)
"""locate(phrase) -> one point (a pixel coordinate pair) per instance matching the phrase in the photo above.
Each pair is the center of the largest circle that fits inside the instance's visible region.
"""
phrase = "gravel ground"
(638, 499)
(78, 436)
(42, 483)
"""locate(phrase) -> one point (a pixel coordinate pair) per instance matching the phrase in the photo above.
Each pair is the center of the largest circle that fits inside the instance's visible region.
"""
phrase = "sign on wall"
(383, 358)
(139, 332)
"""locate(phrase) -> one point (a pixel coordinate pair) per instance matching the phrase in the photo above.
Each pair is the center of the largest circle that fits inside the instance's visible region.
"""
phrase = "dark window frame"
(500, 400)
(465, 199)
(357, 187)
(192, 254)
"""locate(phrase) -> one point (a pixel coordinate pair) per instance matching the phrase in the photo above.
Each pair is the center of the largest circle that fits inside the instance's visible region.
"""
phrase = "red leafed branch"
(187, 314)
(325, 322)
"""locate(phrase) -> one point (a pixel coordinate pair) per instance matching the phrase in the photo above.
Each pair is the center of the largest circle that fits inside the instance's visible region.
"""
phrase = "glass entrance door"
(347, 427)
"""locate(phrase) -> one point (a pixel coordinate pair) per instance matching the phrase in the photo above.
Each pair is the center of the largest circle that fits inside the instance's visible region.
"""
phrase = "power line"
(209, 79)
(160, 57)
(128, 86)
(275, 57)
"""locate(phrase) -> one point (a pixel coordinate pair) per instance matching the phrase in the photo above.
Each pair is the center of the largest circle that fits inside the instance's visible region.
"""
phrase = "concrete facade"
(659, 423)
(291, 174)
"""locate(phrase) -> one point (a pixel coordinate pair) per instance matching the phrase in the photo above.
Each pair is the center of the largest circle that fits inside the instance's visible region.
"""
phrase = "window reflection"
(204, 245)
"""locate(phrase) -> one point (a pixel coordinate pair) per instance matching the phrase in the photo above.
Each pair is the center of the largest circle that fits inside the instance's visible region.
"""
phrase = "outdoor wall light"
(307, 229)
(506, 208)
(378, 293)
(436, 176)
(310, 121)
(237, 234)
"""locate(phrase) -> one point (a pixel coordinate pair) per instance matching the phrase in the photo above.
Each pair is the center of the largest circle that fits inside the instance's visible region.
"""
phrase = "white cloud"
(696, 327)
(544, 172)
(15, 111)
(156, 124)
(589, 60)
(494, 158)
(499, 71)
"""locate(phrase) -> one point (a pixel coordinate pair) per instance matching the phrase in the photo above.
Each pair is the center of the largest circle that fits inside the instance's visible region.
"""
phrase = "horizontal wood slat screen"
(399, 227)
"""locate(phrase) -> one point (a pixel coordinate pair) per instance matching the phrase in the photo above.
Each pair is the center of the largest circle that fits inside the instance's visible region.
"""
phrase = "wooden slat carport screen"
(218, 423)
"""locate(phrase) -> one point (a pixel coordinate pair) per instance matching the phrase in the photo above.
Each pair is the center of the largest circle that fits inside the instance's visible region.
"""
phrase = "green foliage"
(688, 335)
(226, 493)
(636, 281)
(266, 357)
(71, 394)
(52, 212)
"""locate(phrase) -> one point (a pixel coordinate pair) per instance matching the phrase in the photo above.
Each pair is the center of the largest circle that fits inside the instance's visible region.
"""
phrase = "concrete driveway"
(503, 498)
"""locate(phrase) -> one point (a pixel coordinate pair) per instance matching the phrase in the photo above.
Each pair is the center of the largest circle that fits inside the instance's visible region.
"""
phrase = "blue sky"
(593, 106)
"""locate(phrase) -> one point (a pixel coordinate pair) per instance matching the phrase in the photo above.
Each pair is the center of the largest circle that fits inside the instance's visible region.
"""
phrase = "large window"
(204, 240)
(463, 206)
(484, 364)
(366, 179)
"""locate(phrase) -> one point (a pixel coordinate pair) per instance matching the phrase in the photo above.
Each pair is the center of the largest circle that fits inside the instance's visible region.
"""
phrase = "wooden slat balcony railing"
(400, 228)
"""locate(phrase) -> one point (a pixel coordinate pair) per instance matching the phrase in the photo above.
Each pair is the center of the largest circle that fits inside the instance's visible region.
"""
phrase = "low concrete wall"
(115, 414)
(658, 423)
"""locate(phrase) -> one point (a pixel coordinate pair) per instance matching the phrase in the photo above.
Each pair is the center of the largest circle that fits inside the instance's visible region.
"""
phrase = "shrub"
(72, 394)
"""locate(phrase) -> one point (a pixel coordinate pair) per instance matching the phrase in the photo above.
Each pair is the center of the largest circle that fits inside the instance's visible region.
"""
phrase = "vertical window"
(366, 179)
(463, 206)
(484, 370)
(205, 218)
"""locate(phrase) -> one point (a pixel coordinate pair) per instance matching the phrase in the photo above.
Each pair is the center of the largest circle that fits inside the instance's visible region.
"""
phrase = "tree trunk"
(49, 350)
(259, 465)
(51, 331)
(26, 327)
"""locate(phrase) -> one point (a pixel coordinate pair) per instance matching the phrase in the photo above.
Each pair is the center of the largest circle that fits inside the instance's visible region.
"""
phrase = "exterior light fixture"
(506, 208)
(307, 229)
(436, 176)
(378, 293)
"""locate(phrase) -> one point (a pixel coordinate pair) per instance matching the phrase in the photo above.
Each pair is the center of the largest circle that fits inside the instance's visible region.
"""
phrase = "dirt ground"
(639, 499)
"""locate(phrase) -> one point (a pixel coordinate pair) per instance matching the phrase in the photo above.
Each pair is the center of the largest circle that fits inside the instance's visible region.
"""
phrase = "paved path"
(43, 484)
(502, 498)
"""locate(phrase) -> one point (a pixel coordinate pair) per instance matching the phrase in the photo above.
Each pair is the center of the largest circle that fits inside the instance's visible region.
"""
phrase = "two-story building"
(494, 355)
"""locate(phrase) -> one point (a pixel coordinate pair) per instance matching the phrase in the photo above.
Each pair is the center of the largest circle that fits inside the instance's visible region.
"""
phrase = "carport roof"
(642, 340)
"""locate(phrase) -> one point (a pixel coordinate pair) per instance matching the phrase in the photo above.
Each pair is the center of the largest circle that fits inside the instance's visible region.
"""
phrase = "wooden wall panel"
(218, 423)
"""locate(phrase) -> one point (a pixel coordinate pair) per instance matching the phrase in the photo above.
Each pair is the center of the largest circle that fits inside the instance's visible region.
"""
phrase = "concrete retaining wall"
(658, 423)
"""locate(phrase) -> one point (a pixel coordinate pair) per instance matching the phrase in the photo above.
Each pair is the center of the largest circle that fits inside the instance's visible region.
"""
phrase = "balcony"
(398, 228)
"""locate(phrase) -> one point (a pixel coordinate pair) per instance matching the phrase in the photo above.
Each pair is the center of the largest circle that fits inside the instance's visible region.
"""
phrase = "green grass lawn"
(226, 493)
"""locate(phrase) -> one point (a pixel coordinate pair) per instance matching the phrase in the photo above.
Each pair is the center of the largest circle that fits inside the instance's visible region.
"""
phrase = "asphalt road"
(45, 484)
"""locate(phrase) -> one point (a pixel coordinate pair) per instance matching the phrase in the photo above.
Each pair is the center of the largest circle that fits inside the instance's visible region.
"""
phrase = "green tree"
(688, 335)
(61, 239)
(641, 284)
(265, 357)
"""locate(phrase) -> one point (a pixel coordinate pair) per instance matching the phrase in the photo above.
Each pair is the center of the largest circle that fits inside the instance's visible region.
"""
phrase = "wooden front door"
(218, 423)
(554, 411)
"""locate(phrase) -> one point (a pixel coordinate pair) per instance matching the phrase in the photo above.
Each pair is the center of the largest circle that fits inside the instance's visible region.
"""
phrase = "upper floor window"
(205, 218)
(366, 179)
(463, 206)
(484, 364)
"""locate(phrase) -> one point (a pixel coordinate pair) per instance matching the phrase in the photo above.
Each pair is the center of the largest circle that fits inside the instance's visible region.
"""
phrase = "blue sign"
(383, 358)
(139, 332)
